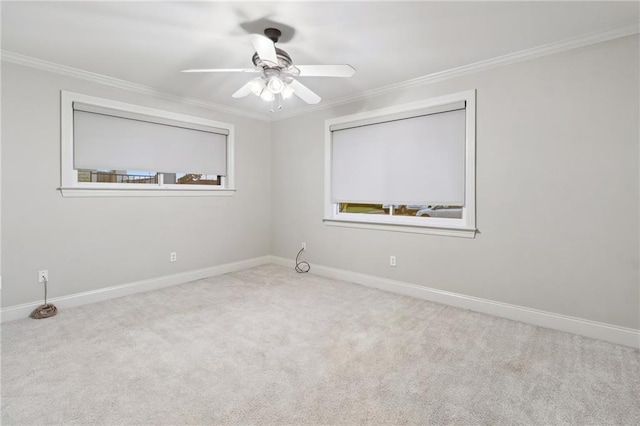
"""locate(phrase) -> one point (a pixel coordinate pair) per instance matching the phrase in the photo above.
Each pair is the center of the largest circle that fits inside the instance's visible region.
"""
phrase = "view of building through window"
(191, 179)
(142, 177)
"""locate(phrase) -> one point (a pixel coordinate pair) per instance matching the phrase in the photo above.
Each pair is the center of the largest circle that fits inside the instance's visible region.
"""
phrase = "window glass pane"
(363, 208)
(191, 179)
(446, 212)
(405, 209)
(117, 176)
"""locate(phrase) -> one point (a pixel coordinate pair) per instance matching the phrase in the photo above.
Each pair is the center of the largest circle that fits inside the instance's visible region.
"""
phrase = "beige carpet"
(269, 346)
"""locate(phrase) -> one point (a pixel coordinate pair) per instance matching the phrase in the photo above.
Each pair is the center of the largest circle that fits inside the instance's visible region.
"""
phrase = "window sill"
(156, 192)
(410, 228)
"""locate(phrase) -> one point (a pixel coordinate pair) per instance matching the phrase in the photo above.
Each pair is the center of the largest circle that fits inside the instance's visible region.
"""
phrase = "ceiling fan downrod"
(273, 34)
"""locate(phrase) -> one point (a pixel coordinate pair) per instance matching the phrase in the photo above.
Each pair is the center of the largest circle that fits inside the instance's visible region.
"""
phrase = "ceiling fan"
(278, 74)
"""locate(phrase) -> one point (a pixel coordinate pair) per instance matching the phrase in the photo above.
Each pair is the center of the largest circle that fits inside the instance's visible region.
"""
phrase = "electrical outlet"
(304, 246)
(174, 256)
(43, 276)
(392, 261)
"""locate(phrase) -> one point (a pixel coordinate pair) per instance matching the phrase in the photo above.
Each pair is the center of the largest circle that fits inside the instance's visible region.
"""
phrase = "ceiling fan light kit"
(275, 85)
(277, 80)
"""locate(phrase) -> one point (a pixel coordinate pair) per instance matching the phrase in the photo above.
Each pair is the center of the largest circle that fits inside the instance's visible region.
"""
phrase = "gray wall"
(91, 243)
(557, 194)
(557, 190)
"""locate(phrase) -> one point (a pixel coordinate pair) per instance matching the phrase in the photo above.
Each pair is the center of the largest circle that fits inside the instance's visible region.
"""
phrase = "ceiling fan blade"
(265, 48)
(244, 90)
(221, 70)
(304, 93)
(326, 70)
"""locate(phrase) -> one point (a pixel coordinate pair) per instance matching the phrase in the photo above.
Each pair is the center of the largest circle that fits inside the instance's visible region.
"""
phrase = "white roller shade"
(105, 140)
(419, 112)
(419, 160)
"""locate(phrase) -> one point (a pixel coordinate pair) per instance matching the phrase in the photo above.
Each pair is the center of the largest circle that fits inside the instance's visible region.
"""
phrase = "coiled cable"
(47, 310)
(302, 266)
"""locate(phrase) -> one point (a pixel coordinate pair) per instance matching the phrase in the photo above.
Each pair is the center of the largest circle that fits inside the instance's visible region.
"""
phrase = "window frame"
(465, 227)
(70, 187)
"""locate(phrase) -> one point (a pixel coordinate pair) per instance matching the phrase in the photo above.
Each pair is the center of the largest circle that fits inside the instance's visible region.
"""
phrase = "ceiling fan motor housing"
(284, 60)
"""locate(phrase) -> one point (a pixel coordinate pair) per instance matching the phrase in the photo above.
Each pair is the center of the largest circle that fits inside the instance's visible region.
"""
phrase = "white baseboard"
(23, 311)
(595, 330)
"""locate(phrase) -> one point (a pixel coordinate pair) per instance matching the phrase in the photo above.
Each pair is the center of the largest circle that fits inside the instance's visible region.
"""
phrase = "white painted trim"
(583, 327)
(508, 59)
(19, 59)
(592, 329)
(70, 187)
(399, 227)
(465, 227)
(79, 192)
(24, 310)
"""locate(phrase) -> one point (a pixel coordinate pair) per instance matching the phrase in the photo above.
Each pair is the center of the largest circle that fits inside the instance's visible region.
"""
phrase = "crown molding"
(511, 58)
(28, 61)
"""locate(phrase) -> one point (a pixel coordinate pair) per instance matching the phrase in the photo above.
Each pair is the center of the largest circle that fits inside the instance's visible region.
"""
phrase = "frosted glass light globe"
(267, 95)
(275, 85)
(287, 92)
(257, 86)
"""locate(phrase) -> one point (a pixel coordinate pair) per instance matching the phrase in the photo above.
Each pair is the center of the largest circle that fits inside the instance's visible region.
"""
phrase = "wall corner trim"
(11, 313)
(583, 327)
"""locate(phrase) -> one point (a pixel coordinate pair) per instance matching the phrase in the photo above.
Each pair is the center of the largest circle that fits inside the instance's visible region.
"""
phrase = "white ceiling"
(149, 43)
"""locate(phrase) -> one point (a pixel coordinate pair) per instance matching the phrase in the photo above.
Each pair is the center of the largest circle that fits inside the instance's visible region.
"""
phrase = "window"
(111, 148)
(408, 168)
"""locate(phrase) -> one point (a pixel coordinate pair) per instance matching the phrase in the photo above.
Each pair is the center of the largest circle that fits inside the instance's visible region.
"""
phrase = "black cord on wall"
(302, 266)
